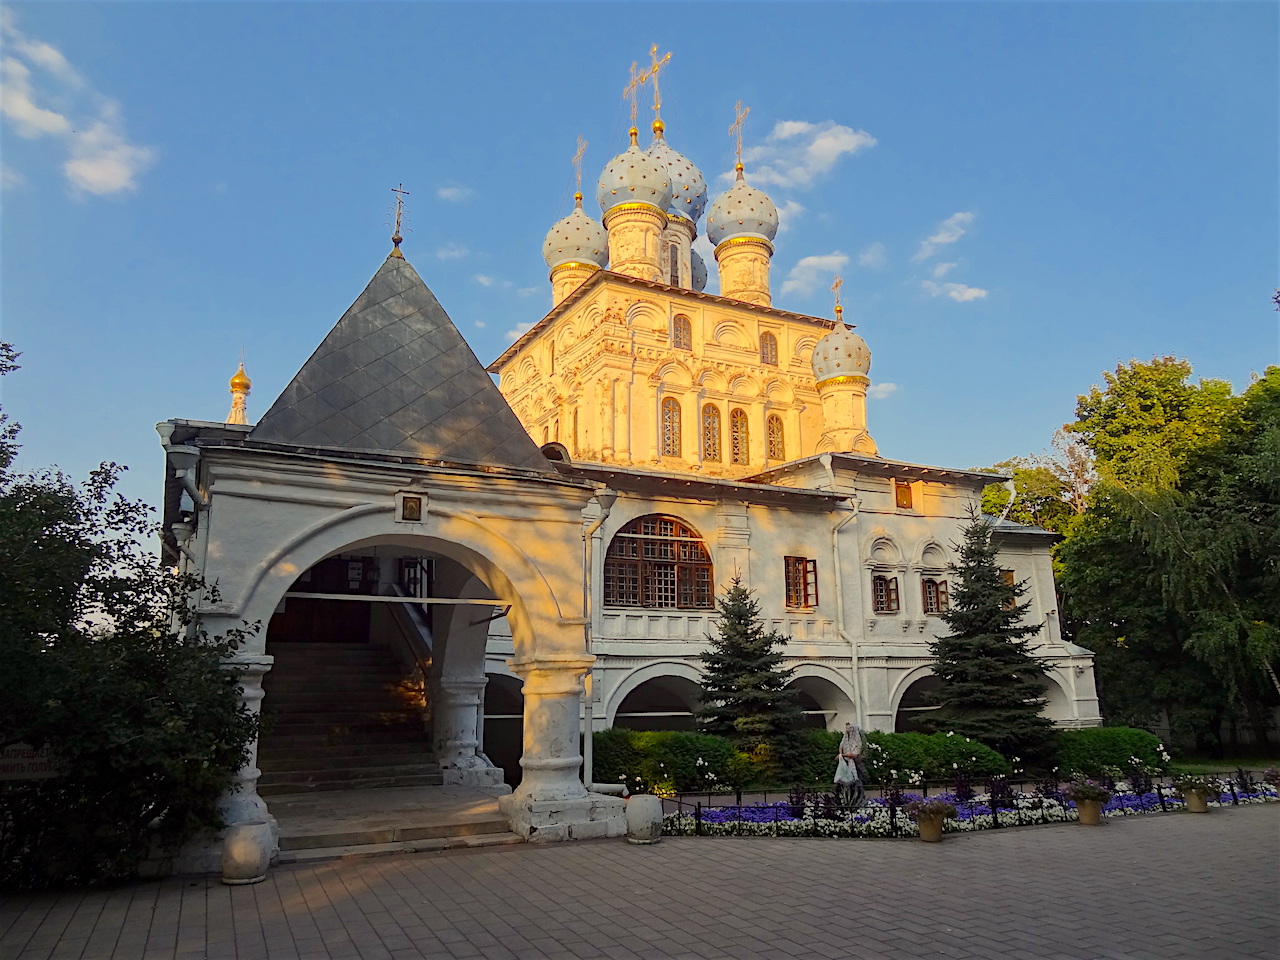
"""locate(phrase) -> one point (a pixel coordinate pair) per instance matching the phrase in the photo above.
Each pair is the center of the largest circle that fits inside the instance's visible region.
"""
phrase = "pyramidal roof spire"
(394, 376)
(396, 239)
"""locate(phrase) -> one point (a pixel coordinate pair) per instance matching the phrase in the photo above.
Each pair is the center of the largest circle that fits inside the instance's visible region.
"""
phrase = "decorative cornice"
(725, 245)
(848, 378)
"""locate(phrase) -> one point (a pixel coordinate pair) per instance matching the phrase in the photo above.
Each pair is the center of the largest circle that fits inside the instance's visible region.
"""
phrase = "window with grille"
(671, 427)
(936, 597)
(769, 349)
(658, 561)
(884, 593)
(802, 582)
(902, 494)
(1009, 580)
(673, 264)
(711, 432)
(739, 448)
(681, 333)
(777, 448)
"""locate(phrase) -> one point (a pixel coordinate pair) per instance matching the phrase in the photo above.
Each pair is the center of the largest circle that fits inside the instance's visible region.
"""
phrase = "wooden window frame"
(739, 436)
(768, 350)
(681, 332)
(658, 562)
(885, 597)
(935, 595)
(775, 437)
(1010, 579)
(801, 575)
(669, 427)
(712, 448)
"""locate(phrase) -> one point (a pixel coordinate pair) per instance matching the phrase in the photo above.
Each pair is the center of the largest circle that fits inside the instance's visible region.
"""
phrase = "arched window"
(739, 450)
(681, 333)
(658, 561)
(673, 265)
(670, 427)
(936, 597)
(769, 349)
(711, 432)
(884, 594)
(777, 444)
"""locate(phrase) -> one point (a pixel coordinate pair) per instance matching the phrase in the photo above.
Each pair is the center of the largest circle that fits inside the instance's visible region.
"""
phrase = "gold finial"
(630, 92)
(836, 284)
(656, 65)
(735, 131)
(396, 239)
(240, 384)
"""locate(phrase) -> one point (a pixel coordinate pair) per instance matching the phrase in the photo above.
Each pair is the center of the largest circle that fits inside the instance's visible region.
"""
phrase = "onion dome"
(841, 353)
(634, 177)
(743, 211)
(698, 269)
(241, 381)
(576, 238)
(688, 188)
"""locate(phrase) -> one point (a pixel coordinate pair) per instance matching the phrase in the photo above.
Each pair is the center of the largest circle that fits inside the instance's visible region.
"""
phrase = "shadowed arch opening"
(916, 705)
(661, 703)
(824, 704)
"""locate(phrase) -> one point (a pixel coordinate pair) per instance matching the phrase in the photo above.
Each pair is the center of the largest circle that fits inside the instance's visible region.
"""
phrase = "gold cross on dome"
(652, 74)
(836, 284)
(577, 163)
(735, 128)
(630, 91)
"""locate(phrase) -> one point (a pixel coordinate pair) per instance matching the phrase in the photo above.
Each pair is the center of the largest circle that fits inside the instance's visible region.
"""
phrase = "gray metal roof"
(395, 376)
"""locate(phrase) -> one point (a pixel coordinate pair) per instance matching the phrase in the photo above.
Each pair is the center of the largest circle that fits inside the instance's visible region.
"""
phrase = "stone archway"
(825, 701)
(914, 704)
(665, 702)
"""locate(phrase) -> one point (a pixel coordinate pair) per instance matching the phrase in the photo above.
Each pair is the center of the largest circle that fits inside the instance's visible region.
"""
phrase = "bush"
(1088, 751)
(668, 761)
(935, 756)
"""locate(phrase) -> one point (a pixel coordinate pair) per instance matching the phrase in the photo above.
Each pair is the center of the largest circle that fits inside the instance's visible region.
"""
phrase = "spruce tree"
(745, 694)
(992, 687)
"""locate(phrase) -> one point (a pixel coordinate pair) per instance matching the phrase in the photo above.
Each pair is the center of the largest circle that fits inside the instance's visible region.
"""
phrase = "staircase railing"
(414, 633)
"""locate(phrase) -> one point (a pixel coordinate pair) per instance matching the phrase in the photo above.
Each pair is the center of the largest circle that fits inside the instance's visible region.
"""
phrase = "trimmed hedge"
(668, 761)
(1088, 751)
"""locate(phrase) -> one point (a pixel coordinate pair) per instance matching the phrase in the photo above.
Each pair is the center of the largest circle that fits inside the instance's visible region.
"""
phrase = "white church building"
(456, 577)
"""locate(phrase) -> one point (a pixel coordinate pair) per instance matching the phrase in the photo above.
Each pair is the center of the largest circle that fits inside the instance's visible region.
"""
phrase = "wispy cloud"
(878, 391)
(519, 330)
(480, 324)
(796, 152)
(455, 194)
(492, 283)
(10, 178)
(788, 214)
(874, 257)
(949, 231)
(942, 269)
(959, 292)
(812, 272)
(451, 251)
(529, 291)
(100, 158)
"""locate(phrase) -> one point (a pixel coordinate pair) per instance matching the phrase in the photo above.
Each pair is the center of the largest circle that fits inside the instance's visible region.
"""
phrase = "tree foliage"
(103, 665)
(745, 692)
(992, 686)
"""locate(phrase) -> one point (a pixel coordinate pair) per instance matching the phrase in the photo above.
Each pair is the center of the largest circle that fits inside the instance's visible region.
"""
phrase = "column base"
(545, 821)
(474, 776)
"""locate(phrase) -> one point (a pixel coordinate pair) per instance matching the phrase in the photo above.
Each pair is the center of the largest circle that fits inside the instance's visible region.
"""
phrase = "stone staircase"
(340, 716)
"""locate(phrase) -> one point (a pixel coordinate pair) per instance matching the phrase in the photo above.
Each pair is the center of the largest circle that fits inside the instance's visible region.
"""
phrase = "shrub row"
(1088, 751)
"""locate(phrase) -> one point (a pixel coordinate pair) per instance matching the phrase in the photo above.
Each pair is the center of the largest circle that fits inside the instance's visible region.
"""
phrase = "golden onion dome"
(241, 381)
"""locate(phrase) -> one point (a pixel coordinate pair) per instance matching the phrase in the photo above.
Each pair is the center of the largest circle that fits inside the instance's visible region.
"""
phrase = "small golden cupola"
(841, 364)
(240, 384)
(576, 246)
(742, 224)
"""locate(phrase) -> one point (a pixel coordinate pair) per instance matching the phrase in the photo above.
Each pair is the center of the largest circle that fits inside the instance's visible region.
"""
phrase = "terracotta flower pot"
(930, 829)
(1197, 802)
(1090, 812)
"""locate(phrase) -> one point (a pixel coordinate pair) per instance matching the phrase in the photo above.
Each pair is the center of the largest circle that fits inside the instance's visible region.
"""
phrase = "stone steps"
(363, 850)
(287, 786)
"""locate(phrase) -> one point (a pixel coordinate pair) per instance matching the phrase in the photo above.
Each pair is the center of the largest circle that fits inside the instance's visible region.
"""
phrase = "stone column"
(551, 802)
(635, 232)
(458, 732)
(568, 277)
(744, 269)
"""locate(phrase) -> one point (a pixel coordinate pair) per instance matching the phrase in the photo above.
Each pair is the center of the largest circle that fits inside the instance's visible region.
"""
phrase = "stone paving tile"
(1150, 888)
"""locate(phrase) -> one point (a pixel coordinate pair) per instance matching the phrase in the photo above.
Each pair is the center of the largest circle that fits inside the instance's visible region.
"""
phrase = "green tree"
(992, 686)
(745, 692)
(103, 665)
(1050, 490)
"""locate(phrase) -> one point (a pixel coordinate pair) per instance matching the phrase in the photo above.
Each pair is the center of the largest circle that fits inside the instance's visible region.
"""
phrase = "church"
(459, 569)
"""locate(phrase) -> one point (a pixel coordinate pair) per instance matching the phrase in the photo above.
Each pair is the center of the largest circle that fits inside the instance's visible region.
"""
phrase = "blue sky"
(1019, 195)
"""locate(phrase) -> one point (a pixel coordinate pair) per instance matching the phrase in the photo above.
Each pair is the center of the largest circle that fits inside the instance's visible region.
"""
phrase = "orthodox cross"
(735, 128)
(836, 284)
(396, 239)
(652, 73)
(630, 91)
(577, 164)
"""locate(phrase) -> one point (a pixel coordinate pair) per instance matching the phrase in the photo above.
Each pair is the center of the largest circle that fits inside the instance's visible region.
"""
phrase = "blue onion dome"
(688, 188)
(742, 211)
(698, 269)
(841, 353)
(576, 238)
(634, 177)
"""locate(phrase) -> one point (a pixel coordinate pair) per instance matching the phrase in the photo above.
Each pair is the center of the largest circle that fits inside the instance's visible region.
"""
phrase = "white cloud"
(811, 272)
(480, 324)
(491, 282)
(788, 214)
(101, 160)
(874, 257)
(455, 194)
(451, 251)
(10, 178)
(878, 391)
(949, 231)
(959, 292)
(796, 152)
(529, 291)
(520, 330)
(942, 269)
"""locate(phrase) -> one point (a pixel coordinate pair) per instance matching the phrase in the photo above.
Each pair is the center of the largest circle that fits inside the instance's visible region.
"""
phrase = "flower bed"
(880, 818)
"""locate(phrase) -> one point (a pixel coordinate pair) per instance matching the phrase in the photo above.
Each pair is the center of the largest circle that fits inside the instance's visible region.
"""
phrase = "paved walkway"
(1158, 887)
